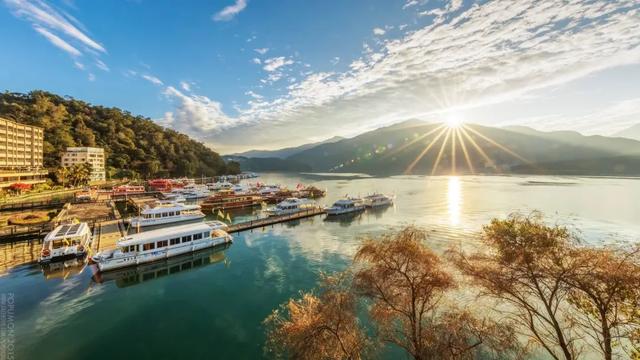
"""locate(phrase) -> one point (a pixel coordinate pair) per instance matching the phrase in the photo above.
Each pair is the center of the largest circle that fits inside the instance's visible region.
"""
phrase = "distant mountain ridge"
(401, 148)
(632, 132)
(285, 152)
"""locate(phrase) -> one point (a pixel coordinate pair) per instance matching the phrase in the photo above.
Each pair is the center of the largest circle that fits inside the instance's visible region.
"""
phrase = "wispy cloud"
(261, 51)
(379, 31)
(230, 11)
(101, 65)
(42, 14)
(58, 42)
(275, 63)
(152, 79)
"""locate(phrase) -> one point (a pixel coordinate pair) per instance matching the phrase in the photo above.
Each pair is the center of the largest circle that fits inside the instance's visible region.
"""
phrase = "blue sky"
(241, 74)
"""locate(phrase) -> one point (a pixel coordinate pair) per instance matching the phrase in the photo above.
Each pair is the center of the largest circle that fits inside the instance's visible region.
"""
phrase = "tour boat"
(291, 206)
(377, 200)
(161, 244)
(165, 212)
(345, 206)
(65, 241)
(230, 200)
(219, 185)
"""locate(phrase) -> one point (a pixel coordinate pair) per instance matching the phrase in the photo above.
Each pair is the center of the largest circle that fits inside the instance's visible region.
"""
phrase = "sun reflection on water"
(454, 199)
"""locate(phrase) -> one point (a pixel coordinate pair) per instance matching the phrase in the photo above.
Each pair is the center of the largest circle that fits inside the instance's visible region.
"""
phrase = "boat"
(230, 200)
(128, 190)
(174, 196)
(345, 206)
(377, 200)
(65, 241)
(219, 185)
(166, 212)
(291, 206)
(154, 245)
(193, 191)
(311, 192)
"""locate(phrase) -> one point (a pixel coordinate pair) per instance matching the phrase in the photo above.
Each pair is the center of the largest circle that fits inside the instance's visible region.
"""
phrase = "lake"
(211, 304)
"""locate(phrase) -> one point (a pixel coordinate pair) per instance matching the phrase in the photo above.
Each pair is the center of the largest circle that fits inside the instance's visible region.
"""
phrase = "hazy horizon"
(241, 75)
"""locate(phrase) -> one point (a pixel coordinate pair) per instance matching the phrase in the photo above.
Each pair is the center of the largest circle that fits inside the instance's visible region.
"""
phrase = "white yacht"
(345, 206)
(377, 200)
(222, 185)
(193, 192)
(160, 244)
(291, 206)
(165, 212)
(66, 241)
(174, 196)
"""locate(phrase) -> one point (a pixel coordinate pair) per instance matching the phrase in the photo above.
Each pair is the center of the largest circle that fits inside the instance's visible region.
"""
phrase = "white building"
(93, 156)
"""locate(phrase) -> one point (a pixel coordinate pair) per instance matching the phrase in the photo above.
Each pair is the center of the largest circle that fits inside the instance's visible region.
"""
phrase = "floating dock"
(272, 220)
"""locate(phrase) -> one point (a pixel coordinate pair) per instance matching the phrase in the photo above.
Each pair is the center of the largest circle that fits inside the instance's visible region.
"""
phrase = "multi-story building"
(91, 155)
(21, 154)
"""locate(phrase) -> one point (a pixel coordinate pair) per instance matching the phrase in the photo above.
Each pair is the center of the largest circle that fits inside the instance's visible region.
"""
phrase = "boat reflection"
(344, 219)
(146, 272)
(378, 211)
(62, 269)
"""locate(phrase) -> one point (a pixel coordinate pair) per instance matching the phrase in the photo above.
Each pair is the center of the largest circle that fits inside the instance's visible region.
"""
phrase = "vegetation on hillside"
(134, 146)
(551, 295)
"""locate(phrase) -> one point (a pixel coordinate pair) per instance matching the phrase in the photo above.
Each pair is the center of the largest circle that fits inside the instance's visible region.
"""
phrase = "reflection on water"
(63, 269)
(18, 253)
(454, 199)
(177, 264)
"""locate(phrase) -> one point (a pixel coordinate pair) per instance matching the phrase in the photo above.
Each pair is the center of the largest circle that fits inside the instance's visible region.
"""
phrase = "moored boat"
(377, 200)
(161, 244)
(291, 206)
(166, 212)
(230, 200)
(66, 241)
(345, 206)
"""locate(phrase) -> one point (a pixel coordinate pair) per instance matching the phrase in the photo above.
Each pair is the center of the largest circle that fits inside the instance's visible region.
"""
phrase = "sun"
(453, 122)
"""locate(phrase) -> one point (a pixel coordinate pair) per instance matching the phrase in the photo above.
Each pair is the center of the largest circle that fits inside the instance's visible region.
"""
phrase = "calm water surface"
(211, 304)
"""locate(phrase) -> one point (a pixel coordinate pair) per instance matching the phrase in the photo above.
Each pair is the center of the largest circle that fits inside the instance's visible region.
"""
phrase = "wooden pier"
(272, 220)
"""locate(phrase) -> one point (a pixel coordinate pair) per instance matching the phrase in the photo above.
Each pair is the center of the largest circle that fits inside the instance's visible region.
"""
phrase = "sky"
(260, 74)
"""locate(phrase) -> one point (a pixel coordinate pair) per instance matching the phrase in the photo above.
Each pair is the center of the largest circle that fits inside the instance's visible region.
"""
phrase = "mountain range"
(632, 132)
(416, 147)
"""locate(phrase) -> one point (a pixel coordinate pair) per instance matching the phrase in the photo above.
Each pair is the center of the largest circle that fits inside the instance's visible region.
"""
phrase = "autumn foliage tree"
(318, 326)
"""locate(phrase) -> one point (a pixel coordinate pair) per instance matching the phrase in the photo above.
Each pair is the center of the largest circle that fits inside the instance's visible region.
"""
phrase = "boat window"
(125, 249)
(162, 244)
(157, 216)
(177, 213)
(132, 248)
(148, 246)
(197, 236)
(164, 214)
(174, 241)
(186, 238)
(205, 234)
(172, 213)
(58, 244)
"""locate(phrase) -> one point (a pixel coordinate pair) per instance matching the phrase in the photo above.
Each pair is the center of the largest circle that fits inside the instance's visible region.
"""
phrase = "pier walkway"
(272, 220)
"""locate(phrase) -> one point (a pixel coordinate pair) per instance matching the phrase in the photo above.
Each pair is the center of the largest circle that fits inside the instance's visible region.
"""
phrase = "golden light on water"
(454, 199)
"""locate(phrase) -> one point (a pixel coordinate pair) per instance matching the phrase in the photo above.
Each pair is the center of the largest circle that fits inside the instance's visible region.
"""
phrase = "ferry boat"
(230, 200)
(345, 206)
(291, 206)
(166, 212)
(66, 241)
(377, 200)
(161, 244)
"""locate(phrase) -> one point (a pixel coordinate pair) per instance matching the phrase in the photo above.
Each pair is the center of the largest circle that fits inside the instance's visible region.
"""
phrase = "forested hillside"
(134, 145)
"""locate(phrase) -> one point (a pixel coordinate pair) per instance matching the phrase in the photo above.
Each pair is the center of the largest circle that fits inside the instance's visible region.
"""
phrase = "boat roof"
(158, 208)
(67, 231)
(344, 201)
(164, 233)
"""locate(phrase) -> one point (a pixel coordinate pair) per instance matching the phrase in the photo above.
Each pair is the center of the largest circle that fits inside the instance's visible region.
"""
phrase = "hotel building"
(91, 155)
(21, 154)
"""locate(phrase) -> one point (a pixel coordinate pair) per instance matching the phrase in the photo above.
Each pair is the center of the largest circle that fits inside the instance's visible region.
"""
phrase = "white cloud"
(185, 86)
(44, 16)
(261, 51)
(195, 113)
(378, 31)
(230, 11)
(256, 61)
(91, 77)
(58, 42)
(78, 65)
(410, 3)
(488, 53)
(152, 79)
(335, 60)
(102, 66)
(275, 63)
